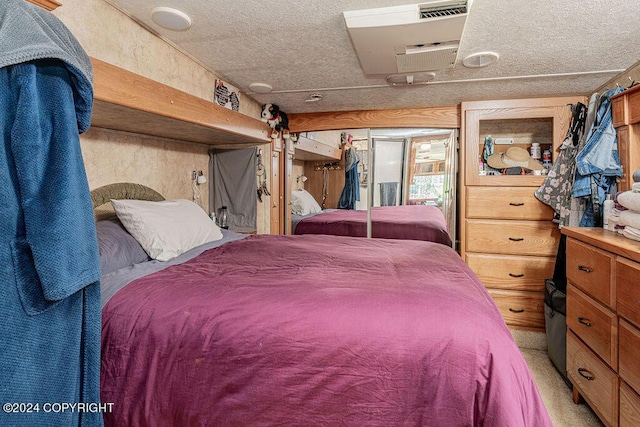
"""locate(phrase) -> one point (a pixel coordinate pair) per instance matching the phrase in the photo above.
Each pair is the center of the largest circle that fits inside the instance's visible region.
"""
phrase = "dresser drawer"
(523, 309)
(597, 383)
(512, 237)
(628, 289)
(629, 406)
(506, 203)
(630, 354)
(522, 273)
(589, 269)
(594, 323)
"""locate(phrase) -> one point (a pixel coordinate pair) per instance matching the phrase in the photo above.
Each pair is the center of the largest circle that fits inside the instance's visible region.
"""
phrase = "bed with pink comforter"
(314, 330)
(410, 222)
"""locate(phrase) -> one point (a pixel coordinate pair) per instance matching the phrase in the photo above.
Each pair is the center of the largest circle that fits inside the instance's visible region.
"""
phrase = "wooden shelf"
(46, 4)
(129, 102)
(310, 150)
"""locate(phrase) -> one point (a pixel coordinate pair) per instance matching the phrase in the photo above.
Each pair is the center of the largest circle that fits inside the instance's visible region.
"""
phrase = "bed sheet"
(314, 330)
(410, 222)
(112, 282)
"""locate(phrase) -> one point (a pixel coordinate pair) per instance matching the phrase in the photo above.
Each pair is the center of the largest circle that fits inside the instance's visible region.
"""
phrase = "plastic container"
(607, 206)
(536, 153)
(222, 218)
(546, 161)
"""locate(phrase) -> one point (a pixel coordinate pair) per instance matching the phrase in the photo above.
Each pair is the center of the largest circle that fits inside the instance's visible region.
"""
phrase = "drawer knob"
(584, 268)
(516, 239)
(586, 374)
(516, 310)
(516, 275)
(584, 321)
(516, 204)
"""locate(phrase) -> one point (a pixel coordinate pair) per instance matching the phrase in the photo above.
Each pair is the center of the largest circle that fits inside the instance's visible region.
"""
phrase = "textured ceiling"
(546, 48)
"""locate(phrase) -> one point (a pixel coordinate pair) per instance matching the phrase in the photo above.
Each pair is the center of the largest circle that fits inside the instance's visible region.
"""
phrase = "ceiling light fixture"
(314, 97)
(170, 18)
(480, 59)
(410, 79)
(260, 87)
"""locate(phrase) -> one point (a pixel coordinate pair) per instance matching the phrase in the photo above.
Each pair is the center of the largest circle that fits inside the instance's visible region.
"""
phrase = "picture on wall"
(226, 95)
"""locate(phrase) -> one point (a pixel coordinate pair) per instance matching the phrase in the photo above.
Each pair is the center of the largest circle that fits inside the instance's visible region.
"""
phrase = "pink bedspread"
(410, 222)
(314, 330)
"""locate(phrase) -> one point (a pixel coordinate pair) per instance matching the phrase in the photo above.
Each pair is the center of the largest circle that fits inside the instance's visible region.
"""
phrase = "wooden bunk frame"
(129, 102)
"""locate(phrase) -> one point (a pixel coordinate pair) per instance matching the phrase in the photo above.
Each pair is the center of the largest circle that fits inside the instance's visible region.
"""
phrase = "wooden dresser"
(507, 235)
(603, 323)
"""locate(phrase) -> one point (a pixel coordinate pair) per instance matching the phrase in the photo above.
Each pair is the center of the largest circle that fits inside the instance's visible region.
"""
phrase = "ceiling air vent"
(454, 8)
(408, 39)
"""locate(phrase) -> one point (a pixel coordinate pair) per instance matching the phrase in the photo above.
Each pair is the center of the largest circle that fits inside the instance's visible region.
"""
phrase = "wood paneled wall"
(431, 117)
(335, 182)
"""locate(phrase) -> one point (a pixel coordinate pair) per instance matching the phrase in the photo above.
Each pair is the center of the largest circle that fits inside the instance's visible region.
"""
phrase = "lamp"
(202, 179)
(197, 178)
(301, 178)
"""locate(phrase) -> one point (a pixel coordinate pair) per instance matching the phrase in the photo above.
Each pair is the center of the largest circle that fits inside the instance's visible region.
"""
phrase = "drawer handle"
(584, 321)
(586, 374)
(516, 204)
(516, 239)
(516, 275)
(516, 310)
(585, 269)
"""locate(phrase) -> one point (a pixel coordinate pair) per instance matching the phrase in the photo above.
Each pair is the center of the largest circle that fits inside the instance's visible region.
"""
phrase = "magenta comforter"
(314, 330)
(410, 222)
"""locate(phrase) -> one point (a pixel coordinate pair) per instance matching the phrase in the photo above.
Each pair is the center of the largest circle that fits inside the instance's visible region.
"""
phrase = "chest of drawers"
(603, 323)
(507, 236)
(511, 243)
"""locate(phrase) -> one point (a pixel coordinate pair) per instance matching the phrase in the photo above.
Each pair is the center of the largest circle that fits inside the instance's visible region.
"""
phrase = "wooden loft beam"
(436, 117)
(46, 4)
(309, 149)
(129, 102)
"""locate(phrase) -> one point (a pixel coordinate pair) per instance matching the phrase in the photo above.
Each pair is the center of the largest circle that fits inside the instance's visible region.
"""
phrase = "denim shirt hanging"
(598, 163)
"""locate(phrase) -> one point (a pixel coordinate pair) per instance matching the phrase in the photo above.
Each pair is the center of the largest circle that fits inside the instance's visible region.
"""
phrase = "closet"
(310, 124)
(507, 236)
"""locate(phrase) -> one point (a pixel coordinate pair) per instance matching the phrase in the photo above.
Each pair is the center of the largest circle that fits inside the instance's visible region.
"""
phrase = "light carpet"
(555, 393)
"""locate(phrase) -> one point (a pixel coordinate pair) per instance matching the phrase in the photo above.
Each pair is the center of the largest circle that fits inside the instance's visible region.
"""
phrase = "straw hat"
(513, 157)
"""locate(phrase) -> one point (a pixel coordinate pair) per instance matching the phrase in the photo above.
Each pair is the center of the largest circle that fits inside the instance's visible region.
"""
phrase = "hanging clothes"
(555, 190)
(351, 191)
(598, 163)
(49, 261)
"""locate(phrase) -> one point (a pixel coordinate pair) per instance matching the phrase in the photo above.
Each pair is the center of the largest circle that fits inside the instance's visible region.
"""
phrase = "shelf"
(310, 150)
(46, 4)
(542, 120)
(128, 102)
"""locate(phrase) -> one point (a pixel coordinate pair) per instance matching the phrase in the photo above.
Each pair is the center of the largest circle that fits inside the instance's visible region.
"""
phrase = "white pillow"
(303, 203)
(166, 229)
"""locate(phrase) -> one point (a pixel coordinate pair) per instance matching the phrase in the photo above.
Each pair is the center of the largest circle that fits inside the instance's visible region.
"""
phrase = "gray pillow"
(118, 248)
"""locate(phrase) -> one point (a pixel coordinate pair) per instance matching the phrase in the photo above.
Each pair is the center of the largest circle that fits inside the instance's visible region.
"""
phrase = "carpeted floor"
(555, 392)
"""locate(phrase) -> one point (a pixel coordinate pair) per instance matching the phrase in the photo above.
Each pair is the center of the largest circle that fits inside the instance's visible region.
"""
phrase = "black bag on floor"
(555, 322)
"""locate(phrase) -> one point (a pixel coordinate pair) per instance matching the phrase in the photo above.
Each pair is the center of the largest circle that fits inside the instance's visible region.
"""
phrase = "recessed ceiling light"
(170, 18)
(480, 59)
(260, 87)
